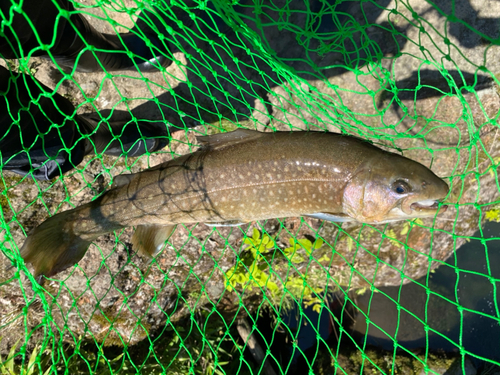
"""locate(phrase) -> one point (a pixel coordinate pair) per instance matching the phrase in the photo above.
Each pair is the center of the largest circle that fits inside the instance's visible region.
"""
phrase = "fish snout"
(430, 201)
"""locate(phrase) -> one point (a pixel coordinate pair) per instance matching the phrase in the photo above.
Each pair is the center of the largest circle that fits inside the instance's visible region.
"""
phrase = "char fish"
(239, 177)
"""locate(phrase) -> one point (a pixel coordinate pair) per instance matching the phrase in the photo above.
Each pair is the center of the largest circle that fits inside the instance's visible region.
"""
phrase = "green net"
(418, 78)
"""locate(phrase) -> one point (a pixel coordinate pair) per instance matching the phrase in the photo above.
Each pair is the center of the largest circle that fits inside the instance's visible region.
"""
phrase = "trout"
(239, 177)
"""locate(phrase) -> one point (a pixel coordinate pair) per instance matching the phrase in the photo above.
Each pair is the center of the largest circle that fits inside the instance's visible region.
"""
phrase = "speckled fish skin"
(276, 175)
(244, 176)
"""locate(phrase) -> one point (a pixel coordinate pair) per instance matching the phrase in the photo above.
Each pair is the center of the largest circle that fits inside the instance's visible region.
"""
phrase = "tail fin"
(53, 246)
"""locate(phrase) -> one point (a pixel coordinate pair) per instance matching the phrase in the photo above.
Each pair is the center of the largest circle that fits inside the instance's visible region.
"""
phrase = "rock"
(379, 97)
(461, 366)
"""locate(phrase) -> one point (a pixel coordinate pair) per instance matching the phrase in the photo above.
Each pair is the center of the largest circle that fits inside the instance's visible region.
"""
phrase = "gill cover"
(364, 200)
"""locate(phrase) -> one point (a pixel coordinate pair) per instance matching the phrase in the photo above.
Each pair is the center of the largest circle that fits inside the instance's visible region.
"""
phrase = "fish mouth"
(427, 206)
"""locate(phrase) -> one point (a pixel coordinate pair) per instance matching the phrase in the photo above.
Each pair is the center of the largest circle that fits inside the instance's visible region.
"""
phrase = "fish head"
(391, 187)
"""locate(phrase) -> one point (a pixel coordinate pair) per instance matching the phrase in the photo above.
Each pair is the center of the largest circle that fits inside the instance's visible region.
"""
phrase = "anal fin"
(149, 240)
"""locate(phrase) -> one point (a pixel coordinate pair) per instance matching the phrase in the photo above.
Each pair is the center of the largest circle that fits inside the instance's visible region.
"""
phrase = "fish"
(240, 177)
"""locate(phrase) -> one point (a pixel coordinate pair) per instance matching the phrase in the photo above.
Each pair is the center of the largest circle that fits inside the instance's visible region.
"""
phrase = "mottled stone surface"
(116, 297)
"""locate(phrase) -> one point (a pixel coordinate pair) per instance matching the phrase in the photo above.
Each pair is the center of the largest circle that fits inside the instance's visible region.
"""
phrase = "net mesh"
(414, 77)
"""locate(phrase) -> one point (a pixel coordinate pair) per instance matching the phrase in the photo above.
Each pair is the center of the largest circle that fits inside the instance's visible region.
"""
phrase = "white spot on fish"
(314, 196)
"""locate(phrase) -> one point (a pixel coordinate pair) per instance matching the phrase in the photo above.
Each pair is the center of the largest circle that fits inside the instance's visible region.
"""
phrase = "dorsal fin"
(218, 141)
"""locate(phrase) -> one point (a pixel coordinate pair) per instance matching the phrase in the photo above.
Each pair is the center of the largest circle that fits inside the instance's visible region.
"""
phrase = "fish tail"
(53, 246)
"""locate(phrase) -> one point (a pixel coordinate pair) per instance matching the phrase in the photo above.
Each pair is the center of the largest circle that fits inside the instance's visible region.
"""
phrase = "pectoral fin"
(122, 180)
(148, 240)
(229, 223)
(339, 218)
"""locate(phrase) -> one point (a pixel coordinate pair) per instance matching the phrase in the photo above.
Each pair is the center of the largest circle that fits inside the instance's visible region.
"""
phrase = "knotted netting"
(415, 77)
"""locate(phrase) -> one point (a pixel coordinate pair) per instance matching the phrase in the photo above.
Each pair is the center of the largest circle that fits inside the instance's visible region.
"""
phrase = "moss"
(8, 183)
(117, 325)
(375, 361)
(227, 126)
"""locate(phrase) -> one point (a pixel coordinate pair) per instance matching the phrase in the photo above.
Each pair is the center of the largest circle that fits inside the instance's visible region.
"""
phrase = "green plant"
(9, 367)
(250, 270)
(493, 215)
(292, 252)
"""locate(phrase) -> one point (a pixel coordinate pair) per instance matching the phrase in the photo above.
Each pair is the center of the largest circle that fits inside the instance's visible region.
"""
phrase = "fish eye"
(401, 187)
